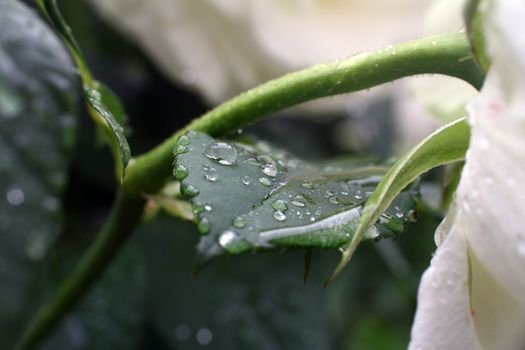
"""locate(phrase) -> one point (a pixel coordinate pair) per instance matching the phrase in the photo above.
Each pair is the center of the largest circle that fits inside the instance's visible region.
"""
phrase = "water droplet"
(279, 215)
(205, 167)
(180, 172)
(226, 238)
(280, 205)
(183, 140)
(180, 149)
(182, 332)
(307, 184)
(197, 208)
(334, 200)
(239, 222)
(207, 207)
(246, 180)
(212, 175)
(204, 336)
(221, 152)
(269, 169)
(265, 181)
(51, 204)
(328, 193)
(358, 196)
(15, 196)
(189, 191)
(298, 201)
(204, 226)
(399, 215)
(37, 245)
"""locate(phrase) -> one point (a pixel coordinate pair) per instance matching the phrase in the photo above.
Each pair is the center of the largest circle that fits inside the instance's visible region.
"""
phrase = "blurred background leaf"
(38, 94)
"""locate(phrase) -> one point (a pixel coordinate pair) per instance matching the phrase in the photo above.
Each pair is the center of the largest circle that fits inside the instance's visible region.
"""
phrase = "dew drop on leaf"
(180, 172)
(189, 191)
(246, 180)
(239, 222)
(212, 175)
(279, 215)
(204, 226)
(298, 201)
(280, 205)
(222, 153)
(265, 181)
(226, 238)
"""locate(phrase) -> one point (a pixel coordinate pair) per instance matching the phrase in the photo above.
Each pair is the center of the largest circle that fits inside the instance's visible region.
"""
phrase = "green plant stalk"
(447, 54)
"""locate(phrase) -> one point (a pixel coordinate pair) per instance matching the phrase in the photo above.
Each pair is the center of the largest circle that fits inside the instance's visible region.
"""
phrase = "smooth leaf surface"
(252, 197)
(446, 145)
(38, 90)
(103, 105)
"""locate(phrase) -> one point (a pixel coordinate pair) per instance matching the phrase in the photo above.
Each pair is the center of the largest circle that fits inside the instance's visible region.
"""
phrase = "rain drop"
(298, 201)
(180, 172)
(204, 336)
(239, 222)
(189, 191)
(226, 238)
(269, 170)
(15, 196)
(279, 215)
(280, 205)
(183, 332)
(246, 180)
(221, 152)
(307, 184)
(212, 175)
(334, 200)
(204, 226)
(265, 181)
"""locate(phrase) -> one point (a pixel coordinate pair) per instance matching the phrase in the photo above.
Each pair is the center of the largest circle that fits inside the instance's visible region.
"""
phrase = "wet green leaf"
(38, 93)
(252, 197)
(104, 106)
(446, 145)
(111, 315)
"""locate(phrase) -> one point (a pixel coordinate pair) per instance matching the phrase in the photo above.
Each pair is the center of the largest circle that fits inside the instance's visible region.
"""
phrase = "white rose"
(223, 47)
(473, 294)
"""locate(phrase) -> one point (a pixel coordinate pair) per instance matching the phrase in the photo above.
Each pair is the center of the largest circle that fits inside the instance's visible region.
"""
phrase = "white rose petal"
(486, 239)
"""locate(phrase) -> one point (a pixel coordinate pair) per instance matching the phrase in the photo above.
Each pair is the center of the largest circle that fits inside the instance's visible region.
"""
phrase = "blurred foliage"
(148, 299)
(38, 90)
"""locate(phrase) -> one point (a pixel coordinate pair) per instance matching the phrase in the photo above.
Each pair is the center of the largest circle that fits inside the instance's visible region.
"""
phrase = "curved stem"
(446, 54)
(125, 215)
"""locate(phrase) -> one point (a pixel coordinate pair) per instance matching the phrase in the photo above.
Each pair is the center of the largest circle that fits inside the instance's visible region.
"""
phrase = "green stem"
(447, 54)
(126, 213)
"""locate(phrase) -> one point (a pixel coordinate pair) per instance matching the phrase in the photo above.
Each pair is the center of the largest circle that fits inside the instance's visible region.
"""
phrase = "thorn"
(307, 263)
(345, 259)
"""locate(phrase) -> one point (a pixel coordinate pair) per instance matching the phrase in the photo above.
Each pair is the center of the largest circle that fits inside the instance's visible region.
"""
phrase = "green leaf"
(110, 316)
(103, 105)
(252, 197)
(107, 112)
(446, 145)
(38, 98)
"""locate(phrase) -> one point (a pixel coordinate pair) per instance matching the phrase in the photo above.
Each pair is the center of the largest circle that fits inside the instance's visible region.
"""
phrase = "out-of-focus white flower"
(473, 294)
(443, 97)
(223, 47)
